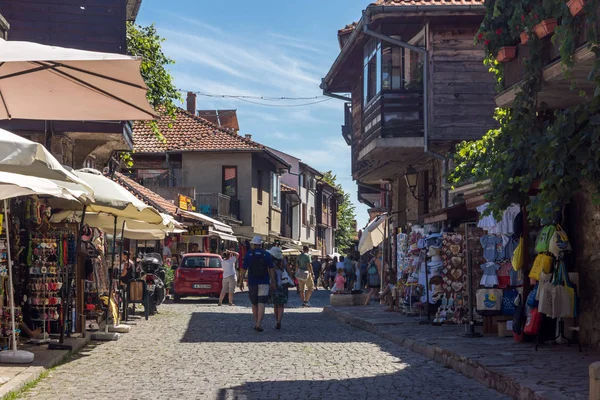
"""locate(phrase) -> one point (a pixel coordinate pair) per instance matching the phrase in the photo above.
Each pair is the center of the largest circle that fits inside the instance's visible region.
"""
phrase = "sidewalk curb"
(449, 359)
(34, 372)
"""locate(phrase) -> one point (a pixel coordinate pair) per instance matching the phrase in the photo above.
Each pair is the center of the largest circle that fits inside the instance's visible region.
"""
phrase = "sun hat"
(276, 253)
(256, 240)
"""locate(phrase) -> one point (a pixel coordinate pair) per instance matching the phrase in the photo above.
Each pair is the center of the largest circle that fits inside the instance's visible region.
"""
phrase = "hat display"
(434, 251)
(256, 240)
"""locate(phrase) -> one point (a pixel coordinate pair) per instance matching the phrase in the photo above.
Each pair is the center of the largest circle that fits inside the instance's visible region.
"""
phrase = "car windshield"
(201, 262)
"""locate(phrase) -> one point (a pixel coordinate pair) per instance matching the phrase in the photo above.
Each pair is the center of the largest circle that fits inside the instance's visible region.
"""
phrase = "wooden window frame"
(223, 180)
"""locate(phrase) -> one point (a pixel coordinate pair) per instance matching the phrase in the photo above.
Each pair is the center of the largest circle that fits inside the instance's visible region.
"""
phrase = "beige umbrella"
(55, 83)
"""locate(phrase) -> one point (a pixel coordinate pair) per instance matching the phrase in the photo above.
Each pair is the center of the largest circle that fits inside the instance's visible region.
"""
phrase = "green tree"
(144, 42)
(345, 233)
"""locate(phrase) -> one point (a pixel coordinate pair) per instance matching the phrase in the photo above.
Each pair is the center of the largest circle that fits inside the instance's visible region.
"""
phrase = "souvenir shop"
(526, 290)
(44, 268)
(432, 274)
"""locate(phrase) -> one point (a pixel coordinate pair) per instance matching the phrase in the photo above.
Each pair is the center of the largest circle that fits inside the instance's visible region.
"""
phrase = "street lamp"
(412, 179)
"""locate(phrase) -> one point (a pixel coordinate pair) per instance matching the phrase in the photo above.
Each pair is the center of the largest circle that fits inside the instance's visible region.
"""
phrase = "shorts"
(229, 284)
(258, 294)
(307, 284)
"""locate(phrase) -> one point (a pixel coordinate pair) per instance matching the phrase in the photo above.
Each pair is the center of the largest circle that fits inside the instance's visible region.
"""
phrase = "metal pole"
(10, 279)
(121, 261)
(471, 332)
(110, 278)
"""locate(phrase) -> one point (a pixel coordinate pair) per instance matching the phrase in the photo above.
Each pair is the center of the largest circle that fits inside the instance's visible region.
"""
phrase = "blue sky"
(264, 48)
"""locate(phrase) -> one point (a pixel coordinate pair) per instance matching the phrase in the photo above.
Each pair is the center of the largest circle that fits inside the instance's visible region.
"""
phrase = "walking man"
(306, 286)
(230, 258)
(259, 264)
(316, 267)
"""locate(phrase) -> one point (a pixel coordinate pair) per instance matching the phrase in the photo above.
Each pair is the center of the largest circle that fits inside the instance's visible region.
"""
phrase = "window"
(230, 181)
(372, 71)
(290, 215)
(275, 190)
(392, 63)
(325, 205)
(201, 262)
(302, 181)
(304, 220)
(90, 162)
(259, 179)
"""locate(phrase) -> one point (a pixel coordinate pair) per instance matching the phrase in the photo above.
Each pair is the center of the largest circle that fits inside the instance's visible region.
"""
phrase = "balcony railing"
(347, 127)
(393, 114)
(217, 205)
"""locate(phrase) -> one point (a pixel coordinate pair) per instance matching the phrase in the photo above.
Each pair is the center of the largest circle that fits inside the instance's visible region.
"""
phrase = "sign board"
(186, 203)
(197, 230)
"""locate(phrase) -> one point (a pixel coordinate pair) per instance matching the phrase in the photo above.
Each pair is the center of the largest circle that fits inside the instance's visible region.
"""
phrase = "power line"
(266, 98)
(284, 105)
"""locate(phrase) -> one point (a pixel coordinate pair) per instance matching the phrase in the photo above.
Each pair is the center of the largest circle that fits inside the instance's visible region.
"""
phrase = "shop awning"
(218, 225)
(222, 235)
(458, 213)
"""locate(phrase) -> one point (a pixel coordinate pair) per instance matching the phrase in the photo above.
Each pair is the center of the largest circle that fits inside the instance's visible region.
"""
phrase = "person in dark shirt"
(316, 265)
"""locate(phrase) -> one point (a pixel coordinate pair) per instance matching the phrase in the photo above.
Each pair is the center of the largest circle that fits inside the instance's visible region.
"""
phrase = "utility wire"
(265, 98)
(284, 105)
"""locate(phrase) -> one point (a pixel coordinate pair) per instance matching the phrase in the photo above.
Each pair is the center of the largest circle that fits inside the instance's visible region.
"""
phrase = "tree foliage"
(552, 151)
(345, 233)
(144, 42)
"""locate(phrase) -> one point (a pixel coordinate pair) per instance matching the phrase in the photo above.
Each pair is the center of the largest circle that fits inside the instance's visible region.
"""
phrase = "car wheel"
(176, 298)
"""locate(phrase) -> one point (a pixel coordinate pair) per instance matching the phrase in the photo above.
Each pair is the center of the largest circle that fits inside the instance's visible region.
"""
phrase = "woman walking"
(332, 271)
(280, 294)
(373, 276)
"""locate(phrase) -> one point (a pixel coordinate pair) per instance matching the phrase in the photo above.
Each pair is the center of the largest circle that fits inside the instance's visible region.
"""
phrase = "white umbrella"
(15, 185)
(21, 156)
(372, 235)
(55, 83)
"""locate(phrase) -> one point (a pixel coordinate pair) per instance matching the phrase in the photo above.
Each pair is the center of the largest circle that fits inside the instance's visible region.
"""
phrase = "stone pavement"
(196, 350)
(552, 372)
(15, 376)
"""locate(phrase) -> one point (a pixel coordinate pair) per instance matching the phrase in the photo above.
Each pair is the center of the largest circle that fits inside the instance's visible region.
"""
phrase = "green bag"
(542, 245)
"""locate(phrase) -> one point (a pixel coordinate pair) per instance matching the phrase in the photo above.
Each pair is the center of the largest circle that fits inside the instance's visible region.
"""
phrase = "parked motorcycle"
(155, 276)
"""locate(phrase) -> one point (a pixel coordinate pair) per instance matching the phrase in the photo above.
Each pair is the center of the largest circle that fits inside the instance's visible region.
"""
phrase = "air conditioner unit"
(312, 221)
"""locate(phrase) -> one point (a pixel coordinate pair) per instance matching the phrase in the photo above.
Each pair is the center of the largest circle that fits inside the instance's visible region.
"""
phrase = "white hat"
(256, 240)
(276, 253)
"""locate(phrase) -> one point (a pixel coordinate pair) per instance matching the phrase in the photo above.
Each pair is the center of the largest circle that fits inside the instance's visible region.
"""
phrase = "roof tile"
(188, 133)
(146, 195)
(286, 188)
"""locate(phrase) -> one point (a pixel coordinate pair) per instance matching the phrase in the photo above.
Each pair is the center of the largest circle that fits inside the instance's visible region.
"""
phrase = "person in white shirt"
(230, 258)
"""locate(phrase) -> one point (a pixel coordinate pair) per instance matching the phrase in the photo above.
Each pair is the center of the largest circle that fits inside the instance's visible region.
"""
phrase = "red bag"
(534, 323)
(503, 282)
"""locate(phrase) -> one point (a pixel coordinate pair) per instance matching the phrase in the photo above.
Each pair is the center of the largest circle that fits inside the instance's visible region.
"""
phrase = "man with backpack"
(259, 264)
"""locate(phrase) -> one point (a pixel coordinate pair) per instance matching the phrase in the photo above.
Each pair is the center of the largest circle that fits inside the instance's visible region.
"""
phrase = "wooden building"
(417, 87)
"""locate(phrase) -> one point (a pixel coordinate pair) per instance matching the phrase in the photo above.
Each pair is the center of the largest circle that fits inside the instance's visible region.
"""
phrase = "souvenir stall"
(501, 279)
(410, 259)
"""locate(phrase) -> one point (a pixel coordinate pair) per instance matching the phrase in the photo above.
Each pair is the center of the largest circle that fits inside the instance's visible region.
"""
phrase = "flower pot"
(524, 37)
(575, 6)
(545, 28)
(506, 53)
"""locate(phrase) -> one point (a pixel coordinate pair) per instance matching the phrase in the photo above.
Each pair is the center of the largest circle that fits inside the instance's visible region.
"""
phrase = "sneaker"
(306, 304)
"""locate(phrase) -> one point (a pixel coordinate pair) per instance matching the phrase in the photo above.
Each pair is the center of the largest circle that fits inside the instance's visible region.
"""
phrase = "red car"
(199, 274)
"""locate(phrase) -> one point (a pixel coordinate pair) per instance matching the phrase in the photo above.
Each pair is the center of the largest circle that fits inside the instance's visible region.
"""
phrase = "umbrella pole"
(106, 335)
(120, 260)
(15, 356)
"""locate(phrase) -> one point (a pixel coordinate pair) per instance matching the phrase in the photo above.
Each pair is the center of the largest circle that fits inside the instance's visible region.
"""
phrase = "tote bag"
(542, 263)
(545, 294)
(563, 296)
(534, 322)
(489, 299)
(517, 258)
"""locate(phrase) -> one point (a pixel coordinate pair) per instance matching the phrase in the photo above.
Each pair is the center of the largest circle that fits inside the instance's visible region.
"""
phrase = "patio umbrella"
(54, 83)
(373, 235)
(21, 156)
(11, 186)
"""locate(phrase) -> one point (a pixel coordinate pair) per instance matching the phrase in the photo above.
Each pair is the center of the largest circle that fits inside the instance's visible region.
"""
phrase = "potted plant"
(498, 39)
(543, 18)
(576, 6)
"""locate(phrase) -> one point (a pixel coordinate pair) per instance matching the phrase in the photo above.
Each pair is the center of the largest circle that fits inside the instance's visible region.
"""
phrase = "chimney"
(191, 102)
(249, 137)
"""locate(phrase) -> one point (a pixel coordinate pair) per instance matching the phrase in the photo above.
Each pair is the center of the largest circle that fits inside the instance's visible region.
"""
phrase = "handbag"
(517, 258)
(302, 275)
(559, 243)
(542, 263)
(489, 299)
(563, 296)
(534, 322)
(531, 299)
(508, 301)
(544, 294)
(286, 280)
(542, 244)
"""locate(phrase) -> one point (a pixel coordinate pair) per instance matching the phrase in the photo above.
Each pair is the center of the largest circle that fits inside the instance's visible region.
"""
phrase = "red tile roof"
(348, 28)
(422, 3)
(189, 133)
(286, 188)
(146, 195)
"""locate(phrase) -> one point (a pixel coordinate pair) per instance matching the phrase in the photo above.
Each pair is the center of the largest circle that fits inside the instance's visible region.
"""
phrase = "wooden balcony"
(217, 205)
(393, 126)
(557, 91)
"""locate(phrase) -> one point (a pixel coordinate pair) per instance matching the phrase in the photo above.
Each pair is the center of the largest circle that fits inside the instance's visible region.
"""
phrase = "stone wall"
(583, 226)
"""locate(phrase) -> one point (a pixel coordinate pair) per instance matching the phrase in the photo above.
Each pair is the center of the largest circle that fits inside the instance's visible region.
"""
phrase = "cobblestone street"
(197, 350)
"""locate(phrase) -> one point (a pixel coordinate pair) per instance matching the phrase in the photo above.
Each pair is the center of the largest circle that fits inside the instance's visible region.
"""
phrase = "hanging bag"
(542, 245)
(489, 299)
(542, 263)
(544, 294)
(517, 258)
(532, 297)
(286, 280)
(534, 322)
(563, 296)
(559, 243)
